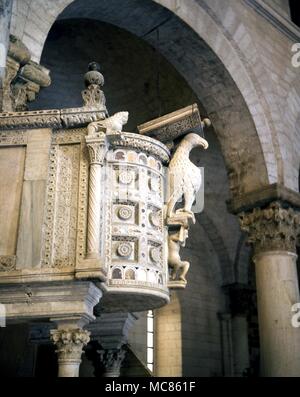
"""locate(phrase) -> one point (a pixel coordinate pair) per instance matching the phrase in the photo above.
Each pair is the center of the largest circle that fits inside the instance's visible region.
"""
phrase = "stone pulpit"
(89, 214)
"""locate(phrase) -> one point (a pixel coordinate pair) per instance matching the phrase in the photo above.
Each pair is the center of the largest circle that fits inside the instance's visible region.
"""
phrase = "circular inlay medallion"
(154, 218)
(124, 249)
(125, 177)
(124, 213)
(155, 254)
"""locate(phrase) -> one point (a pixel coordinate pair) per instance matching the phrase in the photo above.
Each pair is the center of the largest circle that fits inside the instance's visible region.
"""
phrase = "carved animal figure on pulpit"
(178, 267)
(111, 125)
(184, 177)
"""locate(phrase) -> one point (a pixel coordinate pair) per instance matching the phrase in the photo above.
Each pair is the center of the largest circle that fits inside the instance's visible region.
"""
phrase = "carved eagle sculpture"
(184, 177)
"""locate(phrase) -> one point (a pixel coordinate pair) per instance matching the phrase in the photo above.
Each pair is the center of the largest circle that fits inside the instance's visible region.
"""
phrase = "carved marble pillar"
(69, 343)
(112, 360)
(97, 147)
(273, 232)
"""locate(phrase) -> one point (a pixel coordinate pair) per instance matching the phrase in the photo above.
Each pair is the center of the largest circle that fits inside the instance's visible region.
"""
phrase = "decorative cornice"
(54, 118)
(273, 228)
(140, 142)
(7, 263)
(171, 126)
(283, 24)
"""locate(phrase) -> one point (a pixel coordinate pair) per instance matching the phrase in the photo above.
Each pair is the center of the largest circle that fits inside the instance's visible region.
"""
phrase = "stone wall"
(201, 302)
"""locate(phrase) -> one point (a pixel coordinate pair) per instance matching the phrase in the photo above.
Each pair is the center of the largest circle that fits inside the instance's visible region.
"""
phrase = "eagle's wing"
(192, 177)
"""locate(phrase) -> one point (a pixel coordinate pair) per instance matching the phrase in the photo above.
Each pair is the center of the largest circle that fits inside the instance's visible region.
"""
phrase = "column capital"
(70, 342)
(97, 147)
(272, 228)
(112, 360)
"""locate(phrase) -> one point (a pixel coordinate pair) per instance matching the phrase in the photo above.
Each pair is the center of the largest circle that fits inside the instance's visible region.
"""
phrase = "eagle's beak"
(203, 143)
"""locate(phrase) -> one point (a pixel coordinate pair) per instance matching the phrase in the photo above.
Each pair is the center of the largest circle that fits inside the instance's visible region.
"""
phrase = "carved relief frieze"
(65, 216)
(32, 119)
(142, 143)
(66, 174)
(7, 263)
(13, 138)
(50, 208)
(55, 119)
(83, 204)
(63, 137)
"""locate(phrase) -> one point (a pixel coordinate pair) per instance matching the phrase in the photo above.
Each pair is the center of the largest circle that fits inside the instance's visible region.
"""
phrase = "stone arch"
(228, 90)
(242, 260)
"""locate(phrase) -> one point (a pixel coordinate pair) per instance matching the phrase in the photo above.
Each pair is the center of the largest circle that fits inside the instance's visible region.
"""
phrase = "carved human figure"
(111, 125)
(184, 177)
(178, 267)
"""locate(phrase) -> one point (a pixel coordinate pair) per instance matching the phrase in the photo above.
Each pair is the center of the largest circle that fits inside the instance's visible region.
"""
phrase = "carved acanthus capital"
(97, 147)
(23, 93)
(31, 77)
(112, 360)
(70, 342)
(272, 228)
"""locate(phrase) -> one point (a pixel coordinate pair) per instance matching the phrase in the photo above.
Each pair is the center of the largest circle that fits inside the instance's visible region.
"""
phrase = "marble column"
(97, 148)
(111, 331)
(273, 231)
(69, 342)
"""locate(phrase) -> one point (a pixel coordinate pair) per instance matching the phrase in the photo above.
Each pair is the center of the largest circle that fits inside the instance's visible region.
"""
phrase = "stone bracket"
(45, 300)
